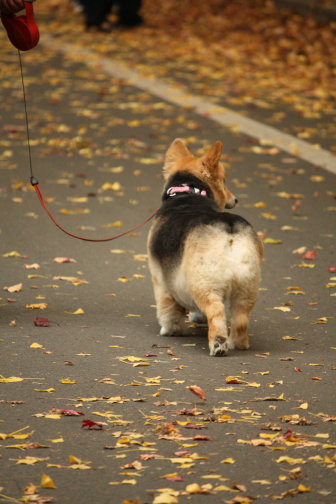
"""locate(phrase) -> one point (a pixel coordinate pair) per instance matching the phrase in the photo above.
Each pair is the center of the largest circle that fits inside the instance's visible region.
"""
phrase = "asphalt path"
(95, 406)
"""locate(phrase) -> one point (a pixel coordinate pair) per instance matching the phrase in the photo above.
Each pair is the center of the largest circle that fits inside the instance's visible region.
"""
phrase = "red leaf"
(310, 254)
(332, 269)
(92, 425)
(42, 322)
(298, 369)
(197, 391)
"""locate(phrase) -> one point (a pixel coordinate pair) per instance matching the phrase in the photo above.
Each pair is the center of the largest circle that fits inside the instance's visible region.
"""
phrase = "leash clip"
(34, 181)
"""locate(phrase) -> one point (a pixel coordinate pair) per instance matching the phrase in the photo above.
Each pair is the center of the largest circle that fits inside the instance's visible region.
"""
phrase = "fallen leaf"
(47, 482)
(310, 254)
(35, 345)
(198, 391)
(272, 241)
(92, 425)
(37, 306)
(165, 498)
(62, 260)
(79, 311)
(66, 412)
(13, 254)
(30, 460)
(42, 322)
(14, 288)
(228, 460)
(290, 460)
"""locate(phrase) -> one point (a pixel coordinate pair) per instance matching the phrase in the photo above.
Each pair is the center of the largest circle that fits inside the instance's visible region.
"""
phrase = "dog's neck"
(186, 189)
(183, 184)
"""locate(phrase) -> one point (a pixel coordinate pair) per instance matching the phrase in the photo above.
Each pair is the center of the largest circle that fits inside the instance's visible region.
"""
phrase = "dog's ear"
(176, 150)
(211, 159)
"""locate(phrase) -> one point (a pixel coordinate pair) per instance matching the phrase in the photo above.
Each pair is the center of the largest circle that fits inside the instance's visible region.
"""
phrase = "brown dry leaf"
(62, 260)
(14, 288)
(30, 489)
(198, 391)
(32, 266)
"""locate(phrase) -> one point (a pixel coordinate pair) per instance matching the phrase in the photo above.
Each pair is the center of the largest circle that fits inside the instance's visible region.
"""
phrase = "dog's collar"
(185, 188)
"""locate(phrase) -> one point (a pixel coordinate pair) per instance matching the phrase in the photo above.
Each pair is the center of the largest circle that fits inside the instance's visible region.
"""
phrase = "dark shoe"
(130, 21)
(105, 27)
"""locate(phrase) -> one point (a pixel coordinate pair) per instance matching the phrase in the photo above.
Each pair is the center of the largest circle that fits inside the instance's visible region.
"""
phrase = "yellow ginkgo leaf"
(79, 311)
(37, 306)
(47, 482)
(290, 460)
(11, 379)
(165, 498)
(272, 241)
(56, 440)
(228, 460)
(74, 460)
(30, 460)
(12, 254)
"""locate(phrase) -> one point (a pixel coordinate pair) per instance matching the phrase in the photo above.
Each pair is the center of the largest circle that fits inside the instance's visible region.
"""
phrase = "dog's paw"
(219, 347)
(171, 331)
(242, 345)
(197, 318)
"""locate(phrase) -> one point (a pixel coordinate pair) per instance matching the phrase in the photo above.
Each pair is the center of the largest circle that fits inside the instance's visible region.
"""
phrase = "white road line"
(221, 115)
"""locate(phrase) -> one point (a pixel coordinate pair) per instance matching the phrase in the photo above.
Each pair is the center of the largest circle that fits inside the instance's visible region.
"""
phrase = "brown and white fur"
(201, 256)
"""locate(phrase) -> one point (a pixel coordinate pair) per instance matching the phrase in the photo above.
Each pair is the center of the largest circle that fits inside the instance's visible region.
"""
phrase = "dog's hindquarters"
(213, 266)
(218, 266)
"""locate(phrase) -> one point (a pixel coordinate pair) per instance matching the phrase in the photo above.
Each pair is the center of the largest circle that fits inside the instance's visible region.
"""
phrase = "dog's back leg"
(170, 314)
(212, 305)
(240, 310)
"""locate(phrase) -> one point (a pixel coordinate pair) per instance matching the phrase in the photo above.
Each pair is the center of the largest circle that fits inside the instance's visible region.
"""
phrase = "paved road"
(265, 430)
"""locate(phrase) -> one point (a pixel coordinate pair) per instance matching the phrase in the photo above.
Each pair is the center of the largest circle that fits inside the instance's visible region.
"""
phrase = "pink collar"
(172, 191)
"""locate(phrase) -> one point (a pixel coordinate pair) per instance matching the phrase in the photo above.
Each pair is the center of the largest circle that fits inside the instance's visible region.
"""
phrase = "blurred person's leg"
(129, 12)
(96, 13)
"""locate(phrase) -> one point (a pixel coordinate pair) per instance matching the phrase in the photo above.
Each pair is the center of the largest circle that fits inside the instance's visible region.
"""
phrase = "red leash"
(35, 184)
(23, 32)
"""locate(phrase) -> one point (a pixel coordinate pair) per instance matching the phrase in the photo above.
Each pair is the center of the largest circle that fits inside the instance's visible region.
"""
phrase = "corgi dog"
(201, 256)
